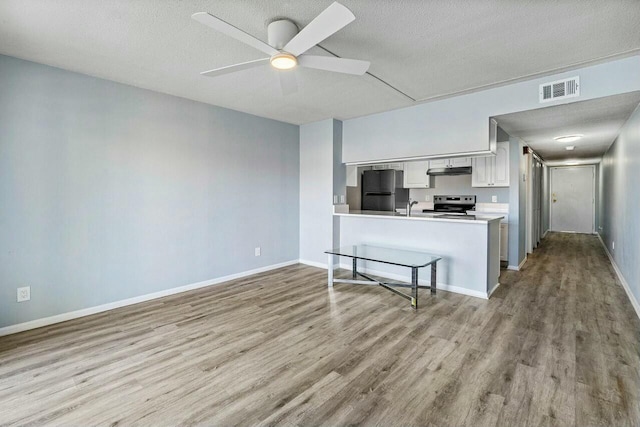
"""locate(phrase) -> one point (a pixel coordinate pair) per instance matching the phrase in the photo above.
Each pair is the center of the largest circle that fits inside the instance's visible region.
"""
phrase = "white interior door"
(572, 199)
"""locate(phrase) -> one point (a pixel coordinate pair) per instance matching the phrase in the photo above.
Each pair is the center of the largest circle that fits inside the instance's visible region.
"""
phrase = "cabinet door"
(504, 242)
(481, 171)
(415, 175)
(352, 176)
(438, 163)
(458, 162)
(501, 168)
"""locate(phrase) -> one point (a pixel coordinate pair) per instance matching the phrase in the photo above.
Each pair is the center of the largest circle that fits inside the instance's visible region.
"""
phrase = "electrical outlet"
(257, 251)
(494, 199)
(427, 198)
(24, 293)
(342, 200)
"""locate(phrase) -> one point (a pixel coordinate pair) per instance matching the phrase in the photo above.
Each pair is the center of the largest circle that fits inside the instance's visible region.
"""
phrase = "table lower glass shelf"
(401, 257)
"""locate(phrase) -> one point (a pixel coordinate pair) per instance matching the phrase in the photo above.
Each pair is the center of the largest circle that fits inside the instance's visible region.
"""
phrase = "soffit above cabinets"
(423, 49)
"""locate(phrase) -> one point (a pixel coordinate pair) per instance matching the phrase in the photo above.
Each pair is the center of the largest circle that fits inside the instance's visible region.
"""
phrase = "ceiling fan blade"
(330, 63)
(236, 67)
(231, 31)
(330, 20)
(288, 82)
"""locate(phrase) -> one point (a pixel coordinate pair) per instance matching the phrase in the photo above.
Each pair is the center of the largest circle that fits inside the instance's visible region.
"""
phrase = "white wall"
(461, 124)
(465, 267)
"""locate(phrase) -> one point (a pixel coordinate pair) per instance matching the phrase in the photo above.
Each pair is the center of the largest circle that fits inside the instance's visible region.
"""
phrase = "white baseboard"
(63, 317)
(439, 286)
(497, 285)
(317, 264)
(313, 263)
(625, 285)
(518, 267)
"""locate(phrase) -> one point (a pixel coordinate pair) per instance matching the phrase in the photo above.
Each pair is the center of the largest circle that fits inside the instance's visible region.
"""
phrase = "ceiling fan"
(287, 46)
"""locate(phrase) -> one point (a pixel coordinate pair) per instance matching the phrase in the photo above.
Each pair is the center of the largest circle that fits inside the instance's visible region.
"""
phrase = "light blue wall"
(597, 219)
(620, 204)
(109, 192)
(461, 124)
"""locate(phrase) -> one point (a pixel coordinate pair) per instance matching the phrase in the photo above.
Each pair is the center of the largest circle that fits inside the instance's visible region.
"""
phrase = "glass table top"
(403, 257)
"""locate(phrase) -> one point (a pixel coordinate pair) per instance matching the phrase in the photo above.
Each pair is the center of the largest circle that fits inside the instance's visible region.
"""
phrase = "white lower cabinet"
(415, 175)
(504, 241)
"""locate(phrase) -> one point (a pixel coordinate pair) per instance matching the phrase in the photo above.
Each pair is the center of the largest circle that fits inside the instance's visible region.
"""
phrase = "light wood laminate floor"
(557, 344)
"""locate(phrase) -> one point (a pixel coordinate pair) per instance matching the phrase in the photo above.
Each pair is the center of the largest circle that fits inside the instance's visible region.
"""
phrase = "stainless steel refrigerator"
(382, 190)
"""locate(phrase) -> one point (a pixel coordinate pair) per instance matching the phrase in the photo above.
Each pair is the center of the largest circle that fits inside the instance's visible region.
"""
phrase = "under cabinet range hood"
(464, 170)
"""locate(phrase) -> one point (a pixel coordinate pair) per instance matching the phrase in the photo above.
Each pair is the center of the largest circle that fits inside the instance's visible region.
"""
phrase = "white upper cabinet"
(492, 171)
(438, 163)
(501, 169)
(459, 162)
(481, 172)
(415, 175)
(394, 166)
(456, 162)
(352, 176)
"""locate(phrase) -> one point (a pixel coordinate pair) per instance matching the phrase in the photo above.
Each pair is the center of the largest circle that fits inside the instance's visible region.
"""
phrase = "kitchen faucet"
(410, 204)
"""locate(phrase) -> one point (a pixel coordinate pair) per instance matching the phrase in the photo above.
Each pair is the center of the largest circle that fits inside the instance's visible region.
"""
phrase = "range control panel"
(455, 199)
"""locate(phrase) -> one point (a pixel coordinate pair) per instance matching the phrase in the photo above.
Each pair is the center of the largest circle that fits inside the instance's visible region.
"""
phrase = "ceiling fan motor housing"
(280, 32)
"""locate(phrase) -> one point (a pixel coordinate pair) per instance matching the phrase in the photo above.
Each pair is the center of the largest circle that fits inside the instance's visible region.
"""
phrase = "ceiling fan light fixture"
(568, 138)
(283, 61)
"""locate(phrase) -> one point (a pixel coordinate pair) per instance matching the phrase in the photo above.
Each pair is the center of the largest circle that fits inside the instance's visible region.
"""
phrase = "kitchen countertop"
(419, 216)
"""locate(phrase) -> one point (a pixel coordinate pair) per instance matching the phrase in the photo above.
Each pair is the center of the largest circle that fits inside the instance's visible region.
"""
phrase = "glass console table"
(405, 258)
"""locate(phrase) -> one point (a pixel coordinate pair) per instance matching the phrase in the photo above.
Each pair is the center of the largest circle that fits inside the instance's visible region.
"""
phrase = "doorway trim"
(593, 195)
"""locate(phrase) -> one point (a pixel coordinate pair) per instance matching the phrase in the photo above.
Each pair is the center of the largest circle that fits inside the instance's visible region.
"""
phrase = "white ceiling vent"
(560, 89)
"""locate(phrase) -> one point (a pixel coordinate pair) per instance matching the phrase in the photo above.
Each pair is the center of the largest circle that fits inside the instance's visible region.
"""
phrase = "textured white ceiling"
(599, 120)
(424, 48)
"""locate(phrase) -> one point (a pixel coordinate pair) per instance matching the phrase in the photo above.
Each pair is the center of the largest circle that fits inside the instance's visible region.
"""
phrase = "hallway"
(557, 344)
(579, 323)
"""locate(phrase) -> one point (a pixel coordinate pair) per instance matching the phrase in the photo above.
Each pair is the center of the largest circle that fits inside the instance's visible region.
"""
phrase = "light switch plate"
(342, 198)
(335, 199)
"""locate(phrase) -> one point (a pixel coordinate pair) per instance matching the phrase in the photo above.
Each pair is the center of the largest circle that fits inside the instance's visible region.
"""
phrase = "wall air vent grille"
(560, 89)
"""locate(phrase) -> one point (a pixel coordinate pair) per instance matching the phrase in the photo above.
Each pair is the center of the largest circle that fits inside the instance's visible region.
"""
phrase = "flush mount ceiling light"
(570, 147)
(572, 163)
(568, 138)
(283, 61)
